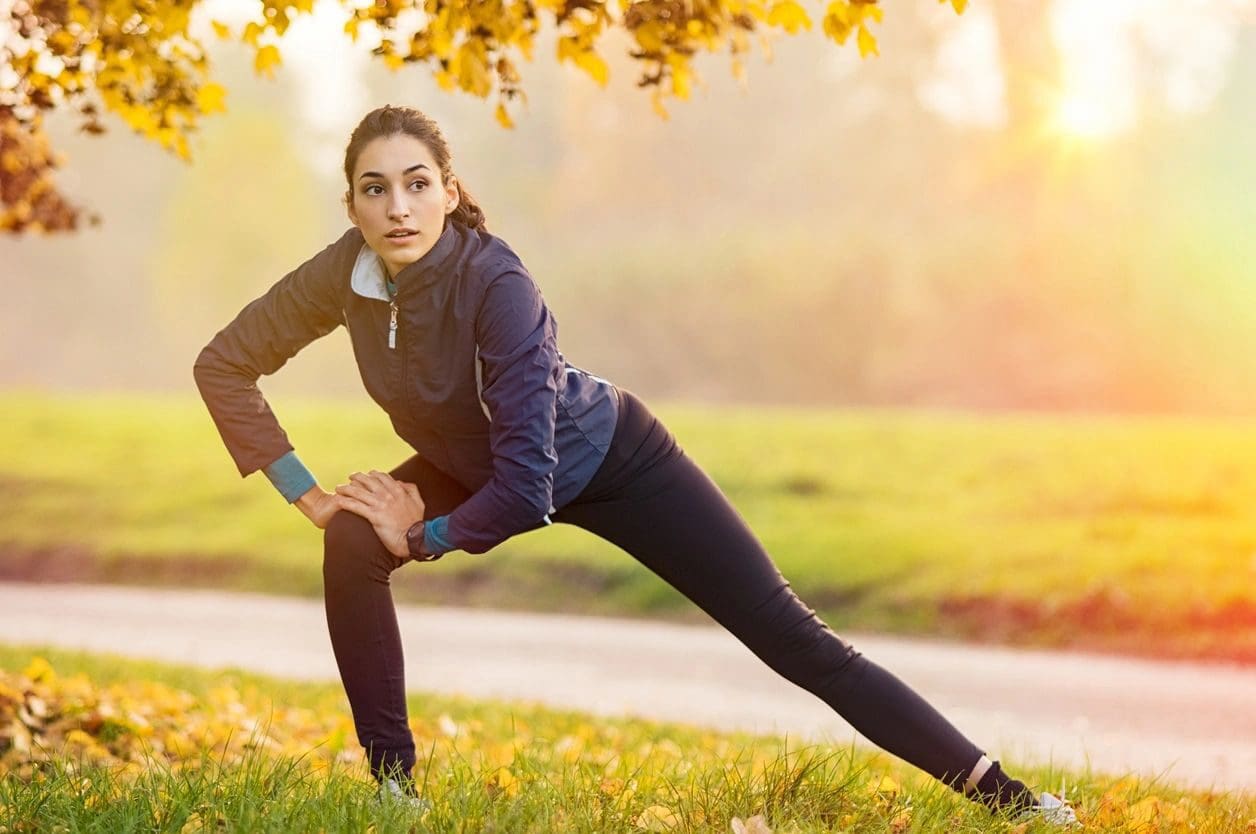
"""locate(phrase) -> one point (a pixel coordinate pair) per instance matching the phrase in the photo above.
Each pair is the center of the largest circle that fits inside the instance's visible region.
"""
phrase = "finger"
(357, 492)
(363, 480)
(383, 482)
(355, 506)
(399, 489)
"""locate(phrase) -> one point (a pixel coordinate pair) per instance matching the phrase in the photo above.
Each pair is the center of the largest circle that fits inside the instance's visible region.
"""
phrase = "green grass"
(1125, 534)
(492, 766)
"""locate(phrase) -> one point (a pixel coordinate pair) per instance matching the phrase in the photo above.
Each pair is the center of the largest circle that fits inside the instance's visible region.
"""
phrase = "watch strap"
(414, 541)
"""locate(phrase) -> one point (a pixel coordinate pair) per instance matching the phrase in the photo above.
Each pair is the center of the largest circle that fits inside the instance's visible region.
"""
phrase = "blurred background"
(1033, 205)
(965, 330)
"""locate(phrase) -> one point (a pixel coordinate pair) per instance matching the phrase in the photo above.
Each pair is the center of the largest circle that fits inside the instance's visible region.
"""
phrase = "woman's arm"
(302, 306)
(522, 370)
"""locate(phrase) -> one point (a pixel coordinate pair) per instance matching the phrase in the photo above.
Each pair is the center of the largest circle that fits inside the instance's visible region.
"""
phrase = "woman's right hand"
(319, 506)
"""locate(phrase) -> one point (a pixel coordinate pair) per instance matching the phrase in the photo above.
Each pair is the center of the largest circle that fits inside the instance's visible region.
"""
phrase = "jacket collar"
(368, 275)
(368, 270)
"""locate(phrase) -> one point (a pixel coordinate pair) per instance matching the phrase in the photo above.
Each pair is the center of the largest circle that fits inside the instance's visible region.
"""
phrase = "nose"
(397, 208)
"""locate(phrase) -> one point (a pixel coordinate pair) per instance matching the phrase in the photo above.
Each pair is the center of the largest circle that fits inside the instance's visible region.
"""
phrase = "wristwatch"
(414, 541)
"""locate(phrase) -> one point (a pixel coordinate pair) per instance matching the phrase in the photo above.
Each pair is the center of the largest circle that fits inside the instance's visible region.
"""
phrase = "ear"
(451, 194)
(353, 215)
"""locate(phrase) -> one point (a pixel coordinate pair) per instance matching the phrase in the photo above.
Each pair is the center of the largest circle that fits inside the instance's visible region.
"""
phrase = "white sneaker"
(391, 792)
(1053, 810)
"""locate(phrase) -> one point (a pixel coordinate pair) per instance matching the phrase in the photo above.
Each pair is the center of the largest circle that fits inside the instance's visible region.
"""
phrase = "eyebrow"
(366, 174)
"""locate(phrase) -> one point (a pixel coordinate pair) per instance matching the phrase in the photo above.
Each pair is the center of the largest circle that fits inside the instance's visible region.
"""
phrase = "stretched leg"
(653, 501)
(362, 622)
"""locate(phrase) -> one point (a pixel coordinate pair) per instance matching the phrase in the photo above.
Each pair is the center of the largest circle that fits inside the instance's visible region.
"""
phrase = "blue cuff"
(434, 533)
(290, 477)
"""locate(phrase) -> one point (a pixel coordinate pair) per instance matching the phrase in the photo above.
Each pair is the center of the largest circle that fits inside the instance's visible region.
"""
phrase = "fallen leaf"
(755, 825)
(657, 818)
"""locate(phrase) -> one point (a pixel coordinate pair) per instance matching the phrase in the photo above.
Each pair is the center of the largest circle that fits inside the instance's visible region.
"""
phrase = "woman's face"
(398, 200)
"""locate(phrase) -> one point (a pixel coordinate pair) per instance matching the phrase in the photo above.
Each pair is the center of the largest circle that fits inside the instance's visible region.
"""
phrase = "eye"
(420, 183)
(368, 190)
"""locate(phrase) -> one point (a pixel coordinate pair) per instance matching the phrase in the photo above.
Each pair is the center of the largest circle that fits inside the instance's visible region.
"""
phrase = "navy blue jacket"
(473, 381)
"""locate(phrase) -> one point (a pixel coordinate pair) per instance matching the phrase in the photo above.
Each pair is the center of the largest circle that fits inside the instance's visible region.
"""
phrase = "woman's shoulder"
(342, 257)
(490, 256)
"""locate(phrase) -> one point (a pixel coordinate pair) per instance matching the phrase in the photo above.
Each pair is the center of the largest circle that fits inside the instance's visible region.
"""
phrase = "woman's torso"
(430, 381)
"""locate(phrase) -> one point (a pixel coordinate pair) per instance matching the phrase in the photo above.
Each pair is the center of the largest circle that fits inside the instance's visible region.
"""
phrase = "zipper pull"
(392, 325)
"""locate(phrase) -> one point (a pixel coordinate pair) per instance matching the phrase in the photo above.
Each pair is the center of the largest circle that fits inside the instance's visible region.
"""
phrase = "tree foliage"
(138, 60)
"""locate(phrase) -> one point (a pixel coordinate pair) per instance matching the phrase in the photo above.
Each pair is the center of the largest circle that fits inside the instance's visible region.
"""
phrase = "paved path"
(1193, 723)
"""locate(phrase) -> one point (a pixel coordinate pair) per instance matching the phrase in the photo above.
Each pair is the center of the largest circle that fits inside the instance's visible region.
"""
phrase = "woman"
(454, 341)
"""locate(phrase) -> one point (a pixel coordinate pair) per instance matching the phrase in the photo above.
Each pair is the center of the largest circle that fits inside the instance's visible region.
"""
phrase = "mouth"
(402, 235)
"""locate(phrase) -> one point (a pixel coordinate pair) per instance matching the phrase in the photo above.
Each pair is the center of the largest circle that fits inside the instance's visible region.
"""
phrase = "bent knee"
(350, 543)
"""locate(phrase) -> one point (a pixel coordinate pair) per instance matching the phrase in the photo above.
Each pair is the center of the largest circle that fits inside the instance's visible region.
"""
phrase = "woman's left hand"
(390, 505)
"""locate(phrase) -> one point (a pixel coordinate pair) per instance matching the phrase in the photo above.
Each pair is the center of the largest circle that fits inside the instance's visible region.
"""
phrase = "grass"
(157, 748)
(1121, 534)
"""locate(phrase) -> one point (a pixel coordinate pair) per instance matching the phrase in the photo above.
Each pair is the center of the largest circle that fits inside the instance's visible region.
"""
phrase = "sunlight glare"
(1097, 98)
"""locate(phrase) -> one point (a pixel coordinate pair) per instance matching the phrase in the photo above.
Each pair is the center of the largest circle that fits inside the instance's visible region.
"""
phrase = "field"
(1131, 535)
(100, 743)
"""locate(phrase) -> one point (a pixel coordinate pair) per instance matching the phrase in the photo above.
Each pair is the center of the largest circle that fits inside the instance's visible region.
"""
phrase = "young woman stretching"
(454, 341)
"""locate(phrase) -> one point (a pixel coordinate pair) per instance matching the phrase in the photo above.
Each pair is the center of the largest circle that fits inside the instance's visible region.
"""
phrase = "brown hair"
(391, 121)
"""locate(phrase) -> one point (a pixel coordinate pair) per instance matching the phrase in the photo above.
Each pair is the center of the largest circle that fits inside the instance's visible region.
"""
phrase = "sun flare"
(1083, 115)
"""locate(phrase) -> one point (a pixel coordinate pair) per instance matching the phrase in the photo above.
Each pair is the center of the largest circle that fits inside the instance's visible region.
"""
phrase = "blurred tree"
(138, 60)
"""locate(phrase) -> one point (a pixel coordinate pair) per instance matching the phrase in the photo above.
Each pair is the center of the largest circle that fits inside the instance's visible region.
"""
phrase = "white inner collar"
(368, 275)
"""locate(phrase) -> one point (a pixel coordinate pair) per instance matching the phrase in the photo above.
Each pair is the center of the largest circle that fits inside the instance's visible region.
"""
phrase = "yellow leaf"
(472, 68)
(210, 97)
(593, 64)
(506, 781)
(440, 36)
(1142, 815)
(251, 33)
(958, 5)
(525, 45)
(394, 61)
(837, 28)
(351, 28)
(568, 49)
(222, 30)
(840, 11)
(657, 818)
(680, 82)
(39, 669)
(790, 15)
(503, 117)
(886, 784)
(867, 43)
(61, 42)
(649, 35)
(266, 60)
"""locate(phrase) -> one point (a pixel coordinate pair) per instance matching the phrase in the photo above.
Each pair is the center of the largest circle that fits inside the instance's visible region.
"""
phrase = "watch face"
(414, 538)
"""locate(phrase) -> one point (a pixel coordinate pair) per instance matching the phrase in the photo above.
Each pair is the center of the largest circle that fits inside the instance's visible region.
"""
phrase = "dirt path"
(1191, 723)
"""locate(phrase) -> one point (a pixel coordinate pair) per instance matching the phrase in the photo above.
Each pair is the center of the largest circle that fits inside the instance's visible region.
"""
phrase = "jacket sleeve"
(302, 306)
(522, 369)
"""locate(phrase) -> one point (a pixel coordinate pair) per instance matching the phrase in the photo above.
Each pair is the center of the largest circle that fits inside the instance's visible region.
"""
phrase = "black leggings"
(649, 498)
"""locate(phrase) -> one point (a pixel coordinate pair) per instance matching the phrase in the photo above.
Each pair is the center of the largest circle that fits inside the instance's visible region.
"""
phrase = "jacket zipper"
(392, 324)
